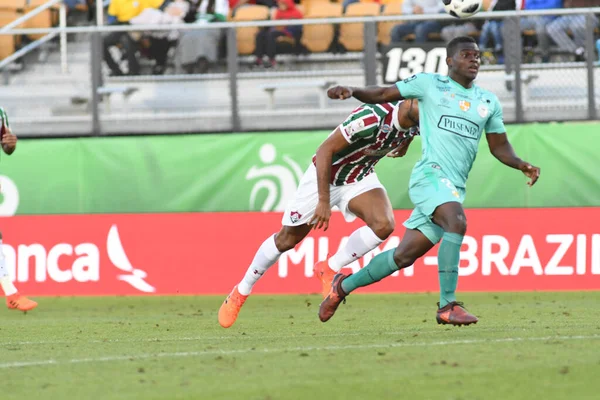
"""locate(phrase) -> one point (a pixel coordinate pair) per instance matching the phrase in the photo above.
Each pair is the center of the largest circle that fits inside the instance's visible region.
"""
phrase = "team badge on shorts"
(295, 216)
(482, 110)
(464, 105)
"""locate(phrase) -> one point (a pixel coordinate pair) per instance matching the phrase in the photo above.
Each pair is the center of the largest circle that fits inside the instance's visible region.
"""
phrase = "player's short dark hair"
(455, 43)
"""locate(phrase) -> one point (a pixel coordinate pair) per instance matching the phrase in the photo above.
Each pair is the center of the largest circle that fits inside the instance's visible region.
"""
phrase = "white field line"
(142, 356)
(249, 336)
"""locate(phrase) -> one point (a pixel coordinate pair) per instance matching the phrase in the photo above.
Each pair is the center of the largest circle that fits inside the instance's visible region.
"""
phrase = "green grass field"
(525, 346)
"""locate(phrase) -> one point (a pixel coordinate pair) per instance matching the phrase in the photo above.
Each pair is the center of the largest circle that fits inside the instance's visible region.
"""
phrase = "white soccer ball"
(463, 8)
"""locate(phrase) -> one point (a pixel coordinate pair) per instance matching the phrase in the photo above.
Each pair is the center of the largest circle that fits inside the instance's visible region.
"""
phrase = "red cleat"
(335, 296)
(455, 314)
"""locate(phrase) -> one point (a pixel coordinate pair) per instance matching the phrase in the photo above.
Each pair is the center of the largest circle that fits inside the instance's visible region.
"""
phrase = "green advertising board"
(260, 171)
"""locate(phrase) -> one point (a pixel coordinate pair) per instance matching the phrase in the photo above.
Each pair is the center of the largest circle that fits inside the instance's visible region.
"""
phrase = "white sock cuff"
(369, 237)
(270, 249)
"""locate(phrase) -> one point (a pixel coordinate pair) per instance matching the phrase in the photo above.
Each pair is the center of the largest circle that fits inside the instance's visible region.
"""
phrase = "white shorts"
(302, 207)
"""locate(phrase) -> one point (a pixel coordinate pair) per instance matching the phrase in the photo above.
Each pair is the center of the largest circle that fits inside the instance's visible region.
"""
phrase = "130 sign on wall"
(403, 62)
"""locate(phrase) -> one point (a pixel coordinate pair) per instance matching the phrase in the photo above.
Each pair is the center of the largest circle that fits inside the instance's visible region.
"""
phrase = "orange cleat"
(455, 314)
(325, 275)
(230, 308)
(21, 303)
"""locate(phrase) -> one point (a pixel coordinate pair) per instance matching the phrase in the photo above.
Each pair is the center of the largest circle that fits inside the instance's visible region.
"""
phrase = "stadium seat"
(318, 38)
(246, 37)
(12, 5)
(352, 34)
(384, 29)
(7, 46)
(7, 42)
(307, 5)
(45, 19)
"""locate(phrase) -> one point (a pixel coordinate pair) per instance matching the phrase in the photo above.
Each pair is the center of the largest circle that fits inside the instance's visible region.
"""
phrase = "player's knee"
(384, 227)
(285, 241)
(403, 259)
(458, 224)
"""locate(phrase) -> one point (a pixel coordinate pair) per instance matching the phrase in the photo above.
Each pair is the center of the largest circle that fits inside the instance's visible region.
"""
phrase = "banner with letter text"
(208, 253)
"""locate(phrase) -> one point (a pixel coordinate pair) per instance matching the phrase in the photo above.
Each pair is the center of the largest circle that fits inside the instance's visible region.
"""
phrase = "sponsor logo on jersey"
(459, 126)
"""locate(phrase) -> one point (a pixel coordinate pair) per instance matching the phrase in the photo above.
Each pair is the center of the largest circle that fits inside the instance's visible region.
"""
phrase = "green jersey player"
(453, 113)
(14, 300)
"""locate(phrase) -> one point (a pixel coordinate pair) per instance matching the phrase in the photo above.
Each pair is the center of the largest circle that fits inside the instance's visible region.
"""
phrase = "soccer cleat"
(21, 303)
(335, 296)
(230, 308)
(454, 314)
(325, 275)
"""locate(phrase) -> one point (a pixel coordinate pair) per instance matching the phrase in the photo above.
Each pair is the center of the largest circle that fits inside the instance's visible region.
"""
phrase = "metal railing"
(520, 101)
(50, 34)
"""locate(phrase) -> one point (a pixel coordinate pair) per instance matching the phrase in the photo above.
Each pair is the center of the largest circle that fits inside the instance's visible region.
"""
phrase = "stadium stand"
(319, 38)
(351, 34)
(246, 42)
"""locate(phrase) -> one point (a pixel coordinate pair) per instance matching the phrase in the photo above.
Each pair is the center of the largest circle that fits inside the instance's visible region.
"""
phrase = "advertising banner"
(260, 172)
(208, 253)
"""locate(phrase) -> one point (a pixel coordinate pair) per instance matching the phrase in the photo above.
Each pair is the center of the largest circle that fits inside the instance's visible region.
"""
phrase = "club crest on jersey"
(464, 105)
(295, 216)
(482, 110)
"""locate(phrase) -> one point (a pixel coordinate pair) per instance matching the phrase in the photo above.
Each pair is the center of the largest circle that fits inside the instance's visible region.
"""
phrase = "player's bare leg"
(451, 217)
(267, 254)
(14, 300)
(375, 209)
(414, 245)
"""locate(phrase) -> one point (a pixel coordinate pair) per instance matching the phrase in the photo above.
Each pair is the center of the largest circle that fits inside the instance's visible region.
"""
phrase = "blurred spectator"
(266, 39)
(120, 12)
(421, 29)
(559, 30)
(158, 43)
(198, 49)
(449, 32)
(539, 23)
(491, 32)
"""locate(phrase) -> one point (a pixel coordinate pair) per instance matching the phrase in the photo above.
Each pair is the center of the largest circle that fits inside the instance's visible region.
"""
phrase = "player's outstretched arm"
(9, 142)
(369, 95)
(501, 148)
(324, 158)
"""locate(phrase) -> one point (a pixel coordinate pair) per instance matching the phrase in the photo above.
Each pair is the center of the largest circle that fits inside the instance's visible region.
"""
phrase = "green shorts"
(429, 188)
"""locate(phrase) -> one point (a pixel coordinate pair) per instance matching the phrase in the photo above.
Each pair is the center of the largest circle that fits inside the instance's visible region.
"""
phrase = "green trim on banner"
(260, 171)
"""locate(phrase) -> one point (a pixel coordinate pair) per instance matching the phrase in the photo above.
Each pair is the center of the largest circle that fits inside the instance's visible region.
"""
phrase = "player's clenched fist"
(530, 171)
(339, 92)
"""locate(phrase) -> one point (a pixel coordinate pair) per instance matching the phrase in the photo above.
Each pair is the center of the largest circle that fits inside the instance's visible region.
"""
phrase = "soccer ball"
(463, 8)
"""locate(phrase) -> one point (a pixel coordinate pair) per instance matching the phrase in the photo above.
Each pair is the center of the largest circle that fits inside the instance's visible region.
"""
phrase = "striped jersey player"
(372, 131)
(14, 300)
(341, 175)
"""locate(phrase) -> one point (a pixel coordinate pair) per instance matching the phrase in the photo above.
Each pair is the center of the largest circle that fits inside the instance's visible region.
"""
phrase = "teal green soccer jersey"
(452, 120)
